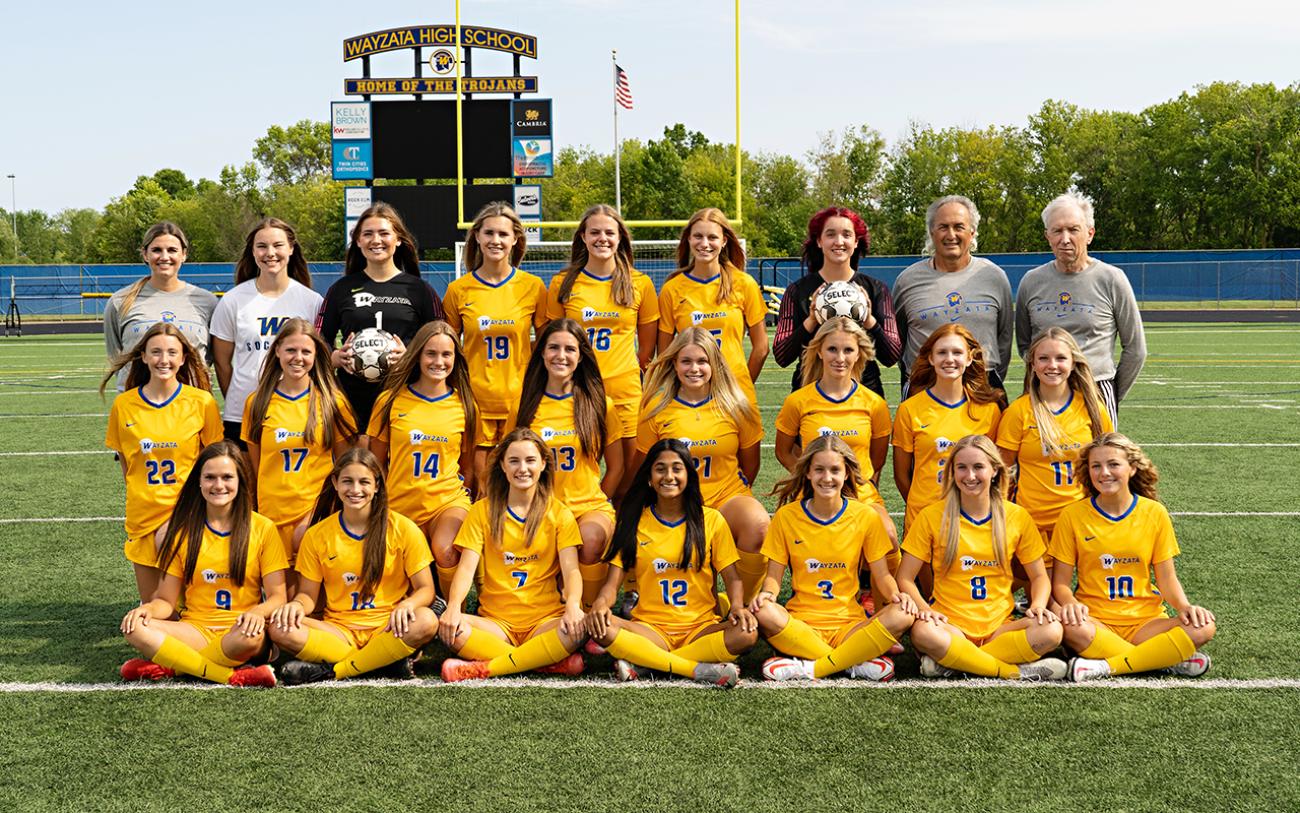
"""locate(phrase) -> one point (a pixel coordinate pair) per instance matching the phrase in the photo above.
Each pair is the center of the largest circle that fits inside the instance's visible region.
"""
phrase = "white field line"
(64, 415)
(1153, 328)
(25, 520)
(609, 684)
(4, 392)
(1238, 354)
(77, 452)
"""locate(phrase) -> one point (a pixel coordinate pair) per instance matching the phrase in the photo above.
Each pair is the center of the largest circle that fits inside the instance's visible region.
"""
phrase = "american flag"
(622, 92)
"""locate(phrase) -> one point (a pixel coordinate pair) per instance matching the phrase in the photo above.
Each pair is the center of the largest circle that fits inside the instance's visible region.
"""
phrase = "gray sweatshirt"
(189, 308)
(1096, 305)
(978, 296)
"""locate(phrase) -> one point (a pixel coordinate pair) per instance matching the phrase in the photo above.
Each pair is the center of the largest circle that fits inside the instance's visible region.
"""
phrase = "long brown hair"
(190, 516)
(498, 487)
(641, 497)
(1145, 474)
(732, 260)
(323, 399)
(950, 529)
(661, 384)
(1079, 382)
(812, 354)
(374, 542)
(153, 233)
(797, 487)
(473, 254)
(193, 371)
(407, 371)
(974, 382)
(621, 285)
(588, 388)
(407, 254)
(247, 269)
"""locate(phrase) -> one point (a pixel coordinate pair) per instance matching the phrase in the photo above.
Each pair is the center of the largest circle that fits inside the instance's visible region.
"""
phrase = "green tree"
(299, 152)
(118, 233)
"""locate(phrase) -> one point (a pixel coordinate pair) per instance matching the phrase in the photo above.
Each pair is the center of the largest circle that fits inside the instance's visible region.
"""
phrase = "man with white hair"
(953, 286)
(1092, 300)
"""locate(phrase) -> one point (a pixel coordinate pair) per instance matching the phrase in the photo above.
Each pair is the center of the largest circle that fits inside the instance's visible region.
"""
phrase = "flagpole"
(618, 181)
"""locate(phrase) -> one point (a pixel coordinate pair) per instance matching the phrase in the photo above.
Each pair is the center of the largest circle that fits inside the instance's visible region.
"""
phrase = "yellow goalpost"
(736, 219)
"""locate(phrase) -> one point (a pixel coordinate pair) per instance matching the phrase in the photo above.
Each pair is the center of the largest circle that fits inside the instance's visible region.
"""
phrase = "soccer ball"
(370, 348)
(842, 298)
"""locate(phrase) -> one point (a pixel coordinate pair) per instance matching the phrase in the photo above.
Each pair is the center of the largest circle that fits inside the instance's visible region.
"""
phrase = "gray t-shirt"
(1096, 305)
(978, 296)
(188, 308)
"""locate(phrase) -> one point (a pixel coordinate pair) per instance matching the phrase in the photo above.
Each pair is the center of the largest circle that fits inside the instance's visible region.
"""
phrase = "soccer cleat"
(626, 671)
(455, 670)
(296, 673)
(630, 599)
(1194, 666)
(1082, 669)
(259, 677)
(724, 675)
(930, 668)
(867, 602)
(141, 669)
(439, 605)
(1043, 669)
(787, 669)
(895, 649)
(593, 649)
(571, 666)
(1021, 606)
(880, 670)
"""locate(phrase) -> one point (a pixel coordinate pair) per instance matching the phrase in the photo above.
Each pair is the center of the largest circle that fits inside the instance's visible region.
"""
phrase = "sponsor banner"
(532, 158)
(528, 201)
(353, 160)
(530, 117)
(357, 199)
(440, 85)
(350, 121)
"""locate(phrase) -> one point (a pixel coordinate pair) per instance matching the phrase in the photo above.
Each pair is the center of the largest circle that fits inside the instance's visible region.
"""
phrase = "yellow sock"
(1012, 647)
(1105, 644)
(593, 578)
(966, 657)
(176, 654)
(445, 575)
(322, 647)
(216, 654)
(871, 641)
(752, 567)
(541, 650)
(383, 649)
(799, 640)
(709, 648)
(482, 646)
(1157, 652)
(640, 650)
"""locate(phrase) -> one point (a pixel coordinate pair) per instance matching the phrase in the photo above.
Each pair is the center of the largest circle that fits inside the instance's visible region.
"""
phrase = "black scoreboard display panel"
(430, 211)
(417, 139)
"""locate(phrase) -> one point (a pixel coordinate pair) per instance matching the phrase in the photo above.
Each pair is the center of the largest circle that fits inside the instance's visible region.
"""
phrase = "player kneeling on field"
(968, 539)
(373, 565)
(218, 559)
(824, 535)
(1115, 538)
(675, 548)
(528, 543)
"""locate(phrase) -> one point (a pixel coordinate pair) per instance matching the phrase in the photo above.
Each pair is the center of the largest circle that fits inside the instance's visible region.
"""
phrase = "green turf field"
(1217, 407)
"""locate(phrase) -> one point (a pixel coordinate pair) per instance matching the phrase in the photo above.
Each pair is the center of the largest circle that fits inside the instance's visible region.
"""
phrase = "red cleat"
(571, 666)
(141, 669)
(254, 677)
(455, 669)
(867, 602)
(592, 648)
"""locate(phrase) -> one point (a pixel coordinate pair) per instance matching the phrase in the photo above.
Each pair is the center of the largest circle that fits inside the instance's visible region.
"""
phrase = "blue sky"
(96, 94)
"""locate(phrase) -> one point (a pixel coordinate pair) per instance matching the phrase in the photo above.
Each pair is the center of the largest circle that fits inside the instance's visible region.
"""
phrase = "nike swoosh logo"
(401, 414)
(131, 423)
(798, 541)
(1060, 316)
(335, 556)
(1089, 538)
(924, 426)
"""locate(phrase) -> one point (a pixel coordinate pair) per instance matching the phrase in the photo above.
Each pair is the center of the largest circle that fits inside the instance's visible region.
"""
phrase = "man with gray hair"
(953, 286)
(1092, 300)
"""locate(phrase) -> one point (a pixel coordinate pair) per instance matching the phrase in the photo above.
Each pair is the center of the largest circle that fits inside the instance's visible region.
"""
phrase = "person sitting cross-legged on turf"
(530, 614)
(373, 565)
(1114, 539)
(675, 547)
(968, 538)
(220, 579)
(825, 535)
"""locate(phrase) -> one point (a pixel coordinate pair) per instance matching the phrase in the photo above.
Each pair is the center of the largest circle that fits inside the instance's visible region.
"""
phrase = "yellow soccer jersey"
(928, 427)
(424, 438)
(1047, 484)
(332, 555)
(715, 439)
(687, 301)
(496, 321)
(611, 328)
(858, 418)
(577, 476)
(213, 599)
(975, 593)
(670, 595)
(824, 558)
(1114, 555)
(521, 585)
(290, 472)
(159, 443)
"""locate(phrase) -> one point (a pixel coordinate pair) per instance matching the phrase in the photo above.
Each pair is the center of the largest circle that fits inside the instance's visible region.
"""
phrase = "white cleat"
(1194, 666)
(1082, 669)
(787, 669)
(930, 668)
(1043, 669)
(880, 670)
(722, 675)
(626, 671)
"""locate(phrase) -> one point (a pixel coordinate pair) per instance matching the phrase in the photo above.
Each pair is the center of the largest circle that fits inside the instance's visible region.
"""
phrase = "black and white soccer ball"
(842, 298)
(370, 349)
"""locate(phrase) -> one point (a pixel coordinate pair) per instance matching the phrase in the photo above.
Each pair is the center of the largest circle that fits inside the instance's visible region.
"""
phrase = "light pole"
(13, 211)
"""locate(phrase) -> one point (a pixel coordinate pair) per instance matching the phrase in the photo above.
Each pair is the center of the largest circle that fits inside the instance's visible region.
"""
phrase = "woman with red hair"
(837, 239)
